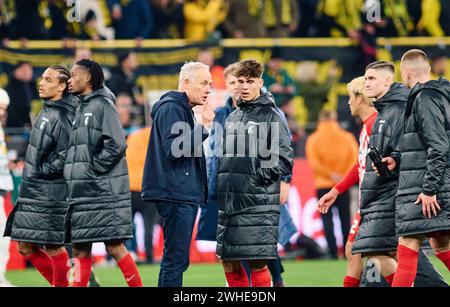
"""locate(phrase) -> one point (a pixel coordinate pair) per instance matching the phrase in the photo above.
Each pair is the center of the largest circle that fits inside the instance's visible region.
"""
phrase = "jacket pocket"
(263, 179)
(181, 172)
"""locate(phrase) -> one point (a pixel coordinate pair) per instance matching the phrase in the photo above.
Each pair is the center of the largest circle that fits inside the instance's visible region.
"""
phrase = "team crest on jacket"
(252, 127)
(86, 118)
(380, 129)
(43, 123)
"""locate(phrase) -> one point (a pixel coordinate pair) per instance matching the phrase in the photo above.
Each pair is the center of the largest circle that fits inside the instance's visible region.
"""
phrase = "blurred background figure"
(202, 18)
(206, 56)
(132, 19)
(434, 19)
(124, 105)
(82, 53)
(280, 17)
(7, 15)
(439, 64)
(244, 19)
(22, 90)
(168, 17)
(338, 18)
(123, 80)
(6, 186)
(314, 93)
(308, 24)
(32, 20)
(277, 80)
(331, 152)
(137, 143)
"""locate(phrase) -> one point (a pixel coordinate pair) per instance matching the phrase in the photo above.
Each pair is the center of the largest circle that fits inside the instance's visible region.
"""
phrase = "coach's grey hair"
(187, 72)
(4, 97)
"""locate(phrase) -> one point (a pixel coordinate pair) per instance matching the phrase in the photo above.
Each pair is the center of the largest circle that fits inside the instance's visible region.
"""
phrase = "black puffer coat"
(425, 158)
(96, 173)
(248, 191)
(41, 207)
(377, 229)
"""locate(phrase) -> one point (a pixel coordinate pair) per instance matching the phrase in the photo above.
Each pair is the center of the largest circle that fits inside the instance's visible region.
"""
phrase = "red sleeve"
(369, 124)
(349, 180)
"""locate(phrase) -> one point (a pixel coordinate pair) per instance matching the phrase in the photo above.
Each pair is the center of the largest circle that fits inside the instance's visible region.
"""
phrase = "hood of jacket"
(397, 93)
(441, 85)
(70, 103)
(174, 97)
(104, 92)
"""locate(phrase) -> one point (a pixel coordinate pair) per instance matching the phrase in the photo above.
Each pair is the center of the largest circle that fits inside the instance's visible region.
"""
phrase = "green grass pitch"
(319, 273)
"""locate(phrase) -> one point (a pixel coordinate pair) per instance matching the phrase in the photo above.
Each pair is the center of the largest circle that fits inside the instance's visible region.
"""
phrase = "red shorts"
(355, 227)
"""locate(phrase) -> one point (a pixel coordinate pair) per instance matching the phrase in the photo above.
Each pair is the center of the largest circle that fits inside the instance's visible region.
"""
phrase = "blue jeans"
(178, 226)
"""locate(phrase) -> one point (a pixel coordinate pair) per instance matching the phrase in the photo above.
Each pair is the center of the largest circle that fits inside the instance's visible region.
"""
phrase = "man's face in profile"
(199, 88)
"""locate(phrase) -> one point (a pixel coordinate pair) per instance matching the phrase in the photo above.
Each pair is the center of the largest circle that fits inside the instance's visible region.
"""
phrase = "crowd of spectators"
(201, 20)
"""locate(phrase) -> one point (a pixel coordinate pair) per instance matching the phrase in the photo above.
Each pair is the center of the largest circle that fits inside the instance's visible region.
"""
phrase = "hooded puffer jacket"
(248, 185)
(377, 228)
(39, 214)
(96, 173)
(425, 159)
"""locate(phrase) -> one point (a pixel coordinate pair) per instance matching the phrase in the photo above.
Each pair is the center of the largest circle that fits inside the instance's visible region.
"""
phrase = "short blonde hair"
(357, 88)
(4, 97)
(230, 69)
(417, 60)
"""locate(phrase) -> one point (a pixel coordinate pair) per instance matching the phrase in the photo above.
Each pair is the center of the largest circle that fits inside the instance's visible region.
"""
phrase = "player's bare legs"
(354, 263)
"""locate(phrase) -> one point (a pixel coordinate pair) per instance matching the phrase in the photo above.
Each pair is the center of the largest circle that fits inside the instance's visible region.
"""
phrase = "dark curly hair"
(95, 71)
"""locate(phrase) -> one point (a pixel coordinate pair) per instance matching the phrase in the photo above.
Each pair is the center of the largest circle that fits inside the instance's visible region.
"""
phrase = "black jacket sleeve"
(281, 153)
(54, 164)
(113, 141)
(393, 146)
(431, 130)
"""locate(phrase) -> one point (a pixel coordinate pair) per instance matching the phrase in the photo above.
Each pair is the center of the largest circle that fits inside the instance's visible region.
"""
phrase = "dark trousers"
(275, 268)
(178, 225)
(427, 275)
(148, 212)
(343, 205)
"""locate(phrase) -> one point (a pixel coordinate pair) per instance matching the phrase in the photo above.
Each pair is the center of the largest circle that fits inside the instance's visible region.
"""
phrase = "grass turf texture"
(320, 273)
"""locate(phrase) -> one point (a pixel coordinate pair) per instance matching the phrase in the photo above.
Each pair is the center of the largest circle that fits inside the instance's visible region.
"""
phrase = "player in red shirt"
(361, 106)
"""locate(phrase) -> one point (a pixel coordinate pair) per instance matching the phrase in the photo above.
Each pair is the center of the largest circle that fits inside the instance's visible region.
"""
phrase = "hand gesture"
(326, 201)
(208, 114)
(284, 192)
(429, 204)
